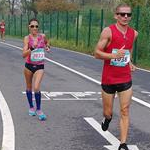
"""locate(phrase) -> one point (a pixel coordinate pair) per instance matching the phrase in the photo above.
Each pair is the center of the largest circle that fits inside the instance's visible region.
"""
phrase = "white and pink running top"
(37, 56)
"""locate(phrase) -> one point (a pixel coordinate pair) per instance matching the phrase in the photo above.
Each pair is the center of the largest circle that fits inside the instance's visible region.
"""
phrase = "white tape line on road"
(83, 75)
(8, 141)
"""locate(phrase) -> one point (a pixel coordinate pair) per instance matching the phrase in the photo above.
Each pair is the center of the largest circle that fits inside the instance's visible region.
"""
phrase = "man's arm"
(103, 42)
(132, 66)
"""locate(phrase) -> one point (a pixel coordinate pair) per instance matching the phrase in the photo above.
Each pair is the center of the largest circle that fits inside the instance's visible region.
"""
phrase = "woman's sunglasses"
(124, 14)
(34, 26)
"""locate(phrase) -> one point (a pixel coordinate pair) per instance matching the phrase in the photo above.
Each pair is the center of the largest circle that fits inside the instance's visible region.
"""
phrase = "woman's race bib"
(37, 54)
(121, 62)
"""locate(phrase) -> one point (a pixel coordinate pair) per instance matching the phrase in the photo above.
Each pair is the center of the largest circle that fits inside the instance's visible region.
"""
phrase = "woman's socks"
(29, 97)
(38, 99)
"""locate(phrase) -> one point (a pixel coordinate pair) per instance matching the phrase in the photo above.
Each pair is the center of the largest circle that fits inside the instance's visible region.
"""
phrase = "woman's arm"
(47, 43)
(26, 50)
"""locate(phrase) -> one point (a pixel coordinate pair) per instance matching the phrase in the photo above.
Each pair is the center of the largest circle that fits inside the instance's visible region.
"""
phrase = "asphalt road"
(71, 99)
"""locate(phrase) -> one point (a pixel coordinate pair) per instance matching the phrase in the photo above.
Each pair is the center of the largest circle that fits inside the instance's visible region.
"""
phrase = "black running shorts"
(33, 68)
(113, 88)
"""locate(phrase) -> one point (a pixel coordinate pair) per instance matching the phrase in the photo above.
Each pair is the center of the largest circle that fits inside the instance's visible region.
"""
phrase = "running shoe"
(32, 112)
(123, 146)
(41, 115)
(105, 123)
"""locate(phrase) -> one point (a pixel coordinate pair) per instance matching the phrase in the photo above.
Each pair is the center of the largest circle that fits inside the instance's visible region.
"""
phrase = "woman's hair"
(33, 19)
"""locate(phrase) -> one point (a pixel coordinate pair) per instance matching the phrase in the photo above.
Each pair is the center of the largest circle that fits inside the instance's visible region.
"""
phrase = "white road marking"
(145, 92)
(85, 76)
(8, 141)
(93, 123)
(73, 99)
(141, 102)
(143, 70)
(74, 71)
(11, 45)
(95, 81)
(69, 96)
(107, 135)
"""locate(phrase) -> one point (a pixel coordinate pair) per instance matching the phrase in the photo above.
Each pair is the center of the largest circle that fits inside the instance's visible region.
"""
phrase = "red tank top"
(117, 74)
(2, 26)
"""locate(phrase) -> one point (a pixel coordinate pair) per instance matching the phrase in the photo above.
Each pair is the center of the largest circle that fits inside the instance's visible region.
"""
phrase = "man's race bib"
(121, 62)
(2, 27)
(37, 54)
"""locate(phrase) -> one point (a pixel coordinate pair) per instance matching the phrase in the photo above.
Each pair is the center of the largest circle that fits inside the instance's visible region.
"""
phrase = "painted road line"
(8, 141)
(74, 71)
(68, 96)
(143, 70)
(141, 102)
(84, 76)
(107, 135)
(146, 92)
(11, 45)
(95, 81)
(73, 99)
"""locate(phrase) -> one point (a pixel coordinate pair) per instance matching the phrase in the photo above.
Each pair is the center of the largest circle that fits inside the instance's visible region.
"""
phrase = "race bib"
(2, 27)
(121, 62)
(37, 54)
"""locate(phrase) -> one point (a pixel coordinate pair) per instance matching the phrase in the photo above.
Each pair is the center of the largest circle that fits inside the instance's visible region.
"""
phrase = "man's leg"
(107, 109)
(125, 100)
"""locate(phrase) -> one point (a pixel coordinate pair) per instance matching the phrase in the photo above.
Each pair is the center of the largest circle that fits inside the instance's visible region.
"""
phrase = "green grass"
(71, 45)
(144, 63)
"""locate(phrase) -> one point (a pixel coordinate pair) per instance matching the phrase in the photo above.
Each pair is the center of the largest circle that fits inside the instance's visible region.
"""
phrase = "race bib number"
(121, 62)
(2, 27)
(37, 54)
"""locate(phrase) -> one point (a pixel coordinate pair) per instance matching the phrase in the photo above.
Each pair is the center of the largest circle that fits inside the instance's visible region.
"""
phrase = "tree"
(25, 6)
(147, 3)
(135, 3)
(3, 6)
(29, 6)
(53, 5)
(11, 4)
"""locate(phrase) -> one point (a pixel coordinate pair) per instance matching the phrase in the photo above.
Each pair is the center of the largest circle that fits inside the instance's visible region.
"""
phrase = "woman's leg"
(37, 82)
(28, 77)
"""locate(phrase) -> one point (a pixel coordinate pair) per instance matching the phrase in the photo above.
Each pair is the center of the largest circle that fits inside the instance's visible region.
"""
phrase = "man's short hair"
(121, 5)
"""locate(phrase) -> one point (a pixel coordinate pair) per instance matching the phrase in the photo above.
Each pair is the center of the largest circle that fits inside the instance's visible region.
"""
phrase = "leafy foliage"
(53, 5)
(135, 3)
